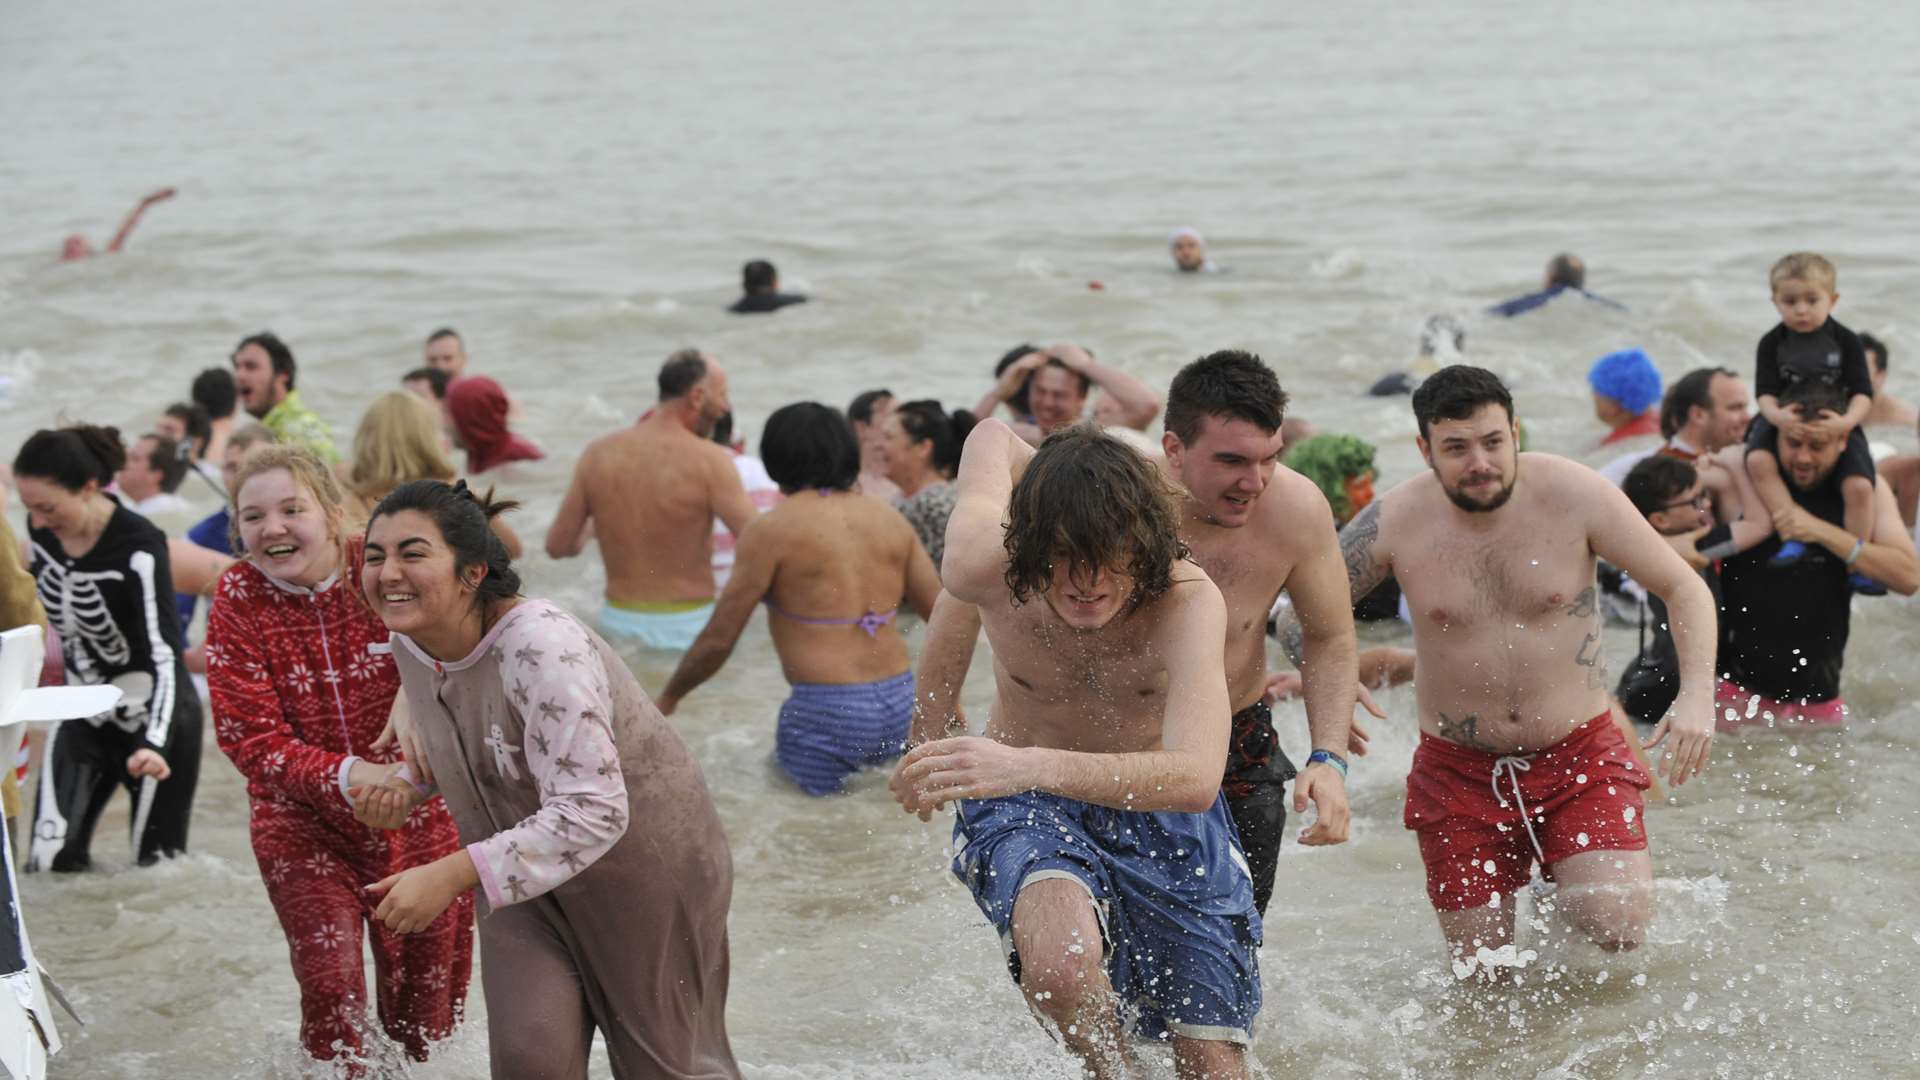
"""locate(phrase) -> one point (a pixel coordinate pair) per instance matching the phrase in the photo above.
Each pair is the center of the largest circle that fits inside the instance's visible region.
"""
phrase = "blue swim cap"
(1628, 377)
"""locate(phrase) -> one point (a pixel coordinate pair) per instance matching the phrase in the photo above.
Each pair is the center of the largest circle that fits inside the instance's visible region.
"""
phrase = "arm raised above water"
(974, 567)
(1182, 775)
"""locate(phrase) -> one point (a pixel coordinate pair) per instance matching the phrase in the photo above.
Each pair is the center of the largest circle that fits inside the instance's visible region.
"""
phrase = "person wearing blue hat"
(1626, 394)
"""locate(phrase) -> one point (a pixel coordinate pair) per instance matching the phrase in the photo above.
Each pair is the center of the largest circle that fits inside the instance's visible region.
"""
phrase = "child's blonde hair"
(307, 470)
(1804, 266)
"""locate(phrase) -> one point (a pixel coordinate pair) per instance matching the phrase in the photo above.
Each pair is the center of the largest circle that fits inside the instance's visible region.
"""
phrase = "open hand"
(1690, 724)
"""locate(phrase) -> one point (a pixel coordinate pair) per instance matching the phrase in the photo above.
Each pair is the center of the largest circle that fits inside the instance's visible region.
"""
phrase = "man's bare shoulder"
(1404, 505)
(1294, 514)
(1557, 483)
(1192, 594)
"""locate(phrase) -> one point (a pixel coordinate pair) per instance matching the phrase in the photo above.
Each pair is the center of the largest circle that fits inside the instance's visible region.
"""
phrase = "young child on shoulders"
(1808, 345)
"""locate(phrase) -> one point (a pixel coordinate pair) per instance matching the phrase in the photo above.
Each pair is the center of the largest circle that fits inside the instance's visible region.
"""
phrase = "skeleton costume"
(605, 875)
(114, 610)
(298, 697)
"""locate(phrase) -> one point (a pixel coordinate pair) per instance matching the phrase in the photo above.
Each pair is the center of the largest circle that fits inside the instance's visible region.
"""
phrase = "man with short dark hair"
(1089, 823)
(1887, 409)
(1781, 661)
(446, 351)
(263, 374)
(214, 391)
(1261, 528)
(428, 382)
(1047, 390)
(650, 493)
(151, 476)
(1707, 410)
(868, 413)
(760, 290)
(1495, 552)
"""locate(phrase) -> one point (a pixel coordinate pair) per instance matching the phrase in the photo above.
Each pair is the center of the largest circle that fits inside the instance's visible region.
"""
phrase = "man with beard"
(263, 375)
(1781, 663)
(651, 494)
(1519, 757)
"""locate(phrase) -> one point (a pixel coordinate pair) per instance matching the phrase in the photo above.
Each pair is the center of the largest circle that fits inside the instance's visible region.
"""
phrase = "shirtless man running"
(651, 493)
(1257, 527)
(1495, 551)
(1090, 826)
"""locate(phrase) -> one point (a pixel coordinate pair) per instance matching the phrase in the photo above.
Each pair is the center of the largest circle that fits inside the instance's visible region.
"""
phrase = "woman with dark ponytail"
(589, 833)
(923, 455)
(104, 578)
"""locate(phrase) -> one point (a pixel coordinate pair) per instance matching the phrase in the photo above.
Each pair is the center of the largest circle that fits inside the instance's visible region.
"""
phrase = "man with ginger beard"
(1495, 552)
(651, 493)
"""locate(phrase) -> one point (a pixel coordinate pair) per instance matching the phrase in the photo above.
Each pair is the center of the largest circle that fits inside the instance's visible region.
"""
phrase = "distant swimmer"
(1089, 823)
(264, 372)
(1519, 760)
(1787, 622)
(1190, 252)
(1565, 273)
(832, 567)
(446, 351)
(1443, 341)
(650, 494)
(77, 247)
(1626, 389)
(1047, 389)
(1887, 410)
(586, 825)
(760, 290)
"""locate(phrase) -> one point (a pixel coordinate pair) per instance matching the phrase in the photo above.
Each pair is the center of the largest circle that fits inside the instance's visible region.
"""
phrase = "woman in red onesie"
(299, 697)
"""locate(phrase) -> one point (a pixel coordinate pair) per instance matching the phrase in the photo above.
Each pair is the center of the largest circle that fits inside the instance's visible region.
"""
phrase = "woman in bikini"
(832, 567)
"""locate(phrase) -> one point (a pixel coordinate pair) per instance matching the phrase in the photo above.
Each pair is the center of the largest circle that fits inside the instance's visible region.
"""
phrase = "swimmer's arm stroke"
(1182, 776)
(126, 227)
(1620, 534)
(976, 556)
(755, 560)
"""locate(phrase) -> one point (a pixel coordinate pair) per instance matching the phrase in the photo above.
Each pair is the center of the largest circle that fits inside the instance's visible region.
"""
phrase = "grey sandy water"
(575, 187)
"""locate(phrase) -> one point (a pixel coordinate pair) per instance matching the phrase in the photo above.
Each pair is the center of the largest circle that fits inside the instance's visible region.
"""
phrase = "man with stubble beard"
(650, 494)
(1519, 758)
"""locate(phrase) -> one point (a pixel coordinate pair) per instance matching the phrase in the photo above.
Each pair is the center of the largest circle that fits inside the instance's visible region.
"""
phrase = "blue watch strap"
(1328, 757)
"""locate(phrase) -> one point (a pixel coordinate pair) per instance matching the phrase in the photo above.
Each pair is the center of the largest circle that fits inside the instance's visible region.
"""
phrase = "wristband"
(1858, 544)
(1328, 757)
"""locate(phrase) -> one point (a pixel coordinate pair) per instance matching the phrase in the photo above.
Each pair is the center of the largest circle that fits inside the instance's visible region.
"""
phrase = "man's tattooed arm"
(1365, 572)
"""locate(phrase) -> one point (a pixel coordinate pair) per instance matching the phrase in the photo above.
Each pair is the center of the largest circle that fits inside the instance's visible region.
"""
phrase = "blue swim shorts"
(1171, 890)
(655, 629)
(829, 731)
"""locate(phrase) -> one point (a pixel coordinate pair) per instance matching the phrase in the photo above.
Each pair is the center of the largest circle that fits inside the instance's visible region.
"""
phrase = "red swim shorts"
(1734, 707)
(1581, 794)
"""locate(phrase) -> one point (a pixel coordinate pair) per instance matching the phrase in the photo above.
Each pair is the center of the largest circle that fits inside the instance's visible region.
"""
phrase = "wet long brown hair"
(1090, 499)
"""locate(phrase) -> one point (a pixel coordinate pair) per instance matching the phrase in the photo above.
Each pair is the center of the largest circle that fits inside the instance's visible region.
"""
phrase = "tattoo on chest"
(1464, 731)
(1586, 604)
(1592, 654)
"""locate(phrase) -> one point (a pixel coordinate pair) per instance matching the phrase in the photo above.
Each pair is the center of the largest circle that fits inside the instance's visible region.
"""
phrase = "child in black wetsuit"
(1809, 346)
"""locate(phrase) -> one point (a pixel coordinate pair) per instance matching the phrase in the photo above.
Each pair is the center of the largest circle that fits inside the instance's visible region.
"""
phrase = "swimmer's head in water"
(75, 247)
(1189, 250)
(1566, 271)
(1223, 439)
(1442, 335)
(263, 372)
(1468, 436)
(445, 351)
(1092, 528)
(1807, 458)
(808, 446)
(759, 276)
(1341, 466)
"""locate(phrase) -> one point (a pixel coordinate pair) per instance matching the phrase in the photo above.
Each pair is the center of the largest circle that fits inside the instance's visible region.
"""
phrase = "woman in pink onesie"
(299, 698)
(589, 833)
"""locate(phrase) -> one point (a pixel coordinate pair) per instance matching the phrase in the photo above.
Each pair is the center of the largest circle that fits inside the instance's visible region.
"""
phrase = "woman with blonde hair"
(399, 440)
(302, 686)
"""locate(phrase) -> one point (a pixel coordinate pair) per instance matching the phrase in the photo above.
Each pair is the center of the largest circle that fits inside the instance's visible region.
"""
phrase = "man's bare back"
(652, 492)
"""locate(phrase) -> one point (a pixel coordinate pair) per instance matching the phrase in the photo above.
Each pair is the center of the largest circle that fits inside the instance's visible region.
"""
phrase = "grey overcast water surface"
(575, 186)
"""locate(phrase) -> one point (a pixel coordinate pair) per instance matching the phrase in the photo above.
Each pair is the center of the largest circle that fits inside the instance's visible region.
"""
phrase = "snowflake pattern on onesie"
(559, 693)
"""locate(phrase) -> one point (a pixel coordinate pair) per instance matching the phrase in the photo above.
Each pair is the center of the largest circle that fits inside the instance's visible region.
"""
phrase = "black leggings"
(84, 765)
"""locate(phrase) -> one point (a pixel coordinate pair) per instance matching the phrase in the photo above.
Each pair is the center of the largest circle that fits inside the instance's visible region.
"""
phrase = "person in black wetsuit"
(1565, 273)
(1780, 662)
(760, 283)
(103, 576)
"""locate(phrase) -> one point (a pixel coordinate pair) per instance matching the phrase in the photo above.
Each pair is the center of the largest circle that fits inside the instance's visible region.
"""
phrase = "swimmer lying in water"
(77, 247)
